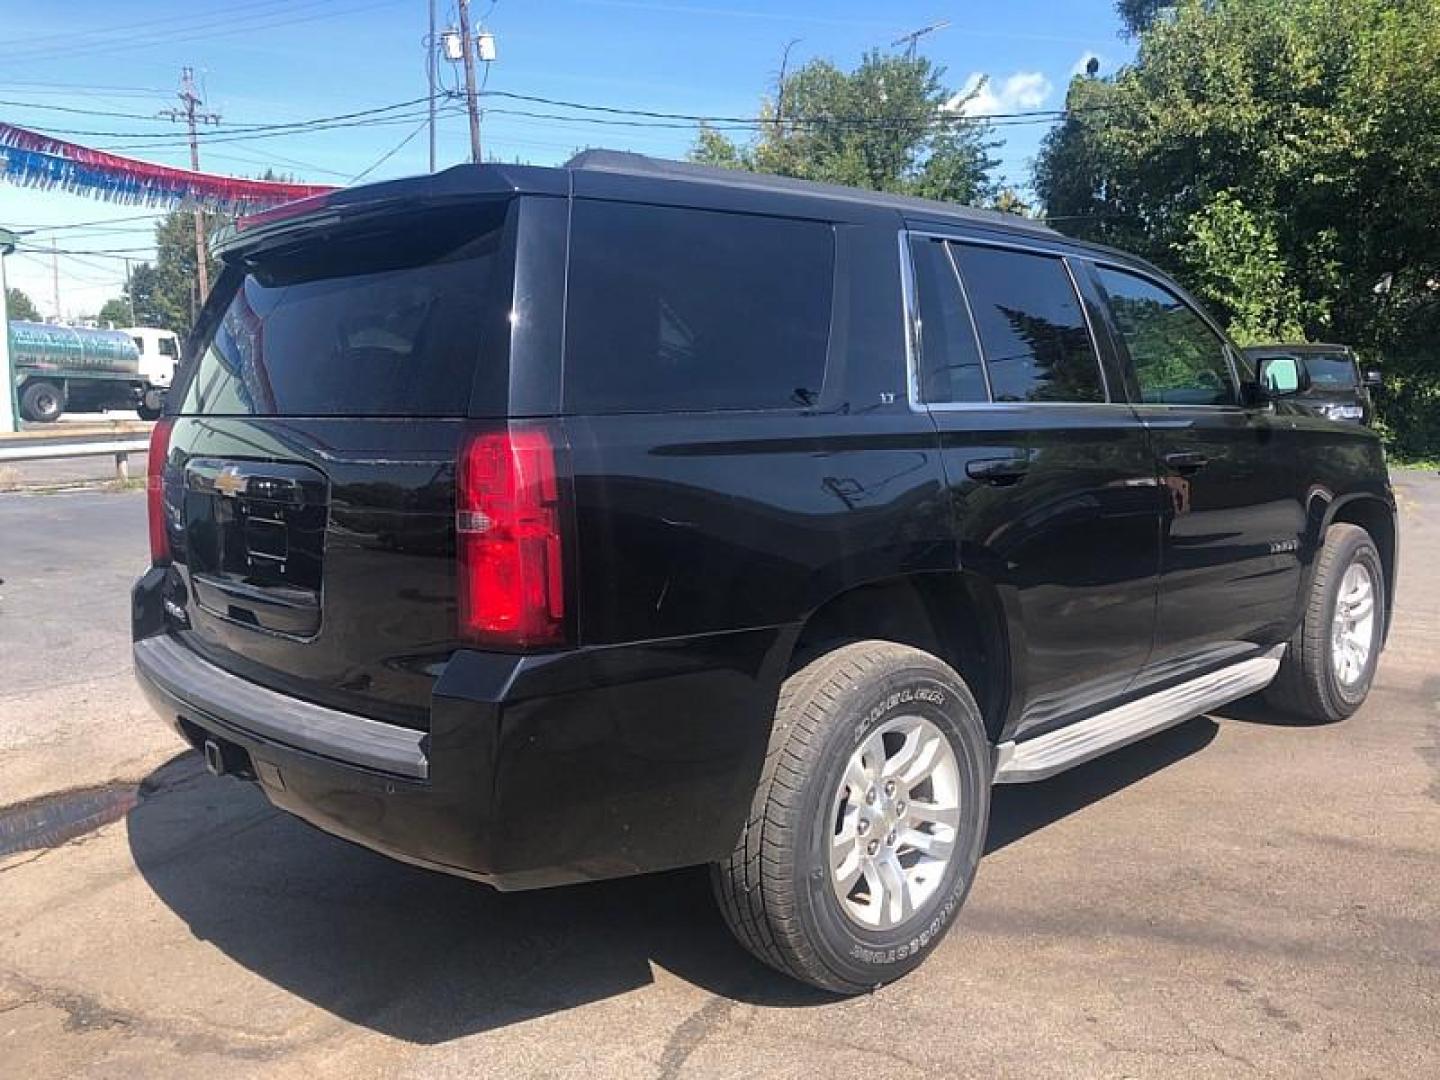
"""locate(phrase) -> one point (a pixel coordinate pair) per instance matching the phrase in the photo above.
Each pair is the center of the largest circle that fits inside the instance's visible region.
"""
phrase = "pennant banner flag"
(34, 160)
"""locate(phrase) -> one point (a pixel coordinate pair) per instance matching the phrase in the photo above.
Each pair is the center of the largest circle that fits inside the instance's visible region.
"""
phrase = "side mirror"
(1281, 376)
(1374, 378)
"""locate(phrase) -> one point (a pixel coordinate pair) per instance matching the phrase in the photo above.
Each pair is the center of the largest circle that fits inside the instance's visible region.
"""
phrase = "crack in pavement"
(84, 1013)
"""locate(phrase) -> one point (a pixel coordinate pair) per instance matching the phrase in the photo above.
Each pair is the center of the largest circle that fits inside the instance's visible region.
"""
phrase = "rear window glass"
(675, 310)
(386, 321)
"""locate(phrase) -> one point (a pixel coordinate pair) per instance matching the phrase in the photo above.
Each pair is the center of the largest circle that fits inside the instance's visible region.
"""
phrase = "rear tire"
(1331, 659)
(42, 402)
(868, 821)
(147, 413)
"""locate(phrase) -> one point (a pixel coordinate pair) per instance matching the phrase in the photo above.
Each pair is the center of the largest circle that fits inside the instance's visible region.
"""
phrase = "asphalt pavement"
(1239, 896)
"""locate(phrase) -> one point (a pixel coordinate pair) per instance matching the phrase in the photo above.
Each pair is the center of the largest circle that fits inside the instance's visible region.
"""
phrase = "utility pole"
(467, 44)
(190, 114)
(130, 292)
(55, 278)
(431, 52)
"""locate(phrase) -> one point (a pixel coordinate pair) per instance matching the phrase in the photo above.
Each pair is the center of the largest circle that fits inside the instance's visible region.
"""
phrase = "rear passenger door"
(1233, 521)
(1051, 480)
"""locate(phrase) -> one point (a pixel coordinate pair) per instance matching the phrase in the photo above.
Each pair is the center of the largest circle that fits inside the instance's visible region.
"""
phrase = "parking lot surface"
(1239, 896)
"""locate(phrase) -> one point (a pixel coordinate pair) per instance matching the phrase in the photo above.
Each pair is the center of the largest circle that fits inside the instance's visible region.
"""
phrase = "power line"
(109, 32)
(270, 158)
(391, 152)
(223, 130)
(98, 253)
(622, 117)
(86, 224)
(81, 89)
(200, 32)
(388, 121)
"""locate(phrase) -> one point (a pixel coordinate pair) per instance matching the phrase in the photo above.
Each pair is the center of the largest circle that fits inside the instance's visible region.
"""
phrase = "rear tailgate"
(310, 483)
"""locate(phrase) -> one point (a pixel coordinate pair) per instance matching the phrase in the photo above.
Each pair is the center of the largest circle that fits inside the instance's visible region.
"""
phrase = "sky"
(272, 61)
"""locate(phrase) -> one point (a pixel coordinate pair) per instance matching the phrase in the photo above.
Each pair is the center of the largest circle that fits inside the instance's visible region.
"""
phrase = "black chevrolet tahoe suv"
(546, 525)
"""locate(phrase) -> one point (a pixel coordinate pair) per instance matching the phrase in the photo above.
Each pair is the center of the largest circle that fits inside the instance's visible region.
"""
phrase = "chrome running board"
(1045, 755)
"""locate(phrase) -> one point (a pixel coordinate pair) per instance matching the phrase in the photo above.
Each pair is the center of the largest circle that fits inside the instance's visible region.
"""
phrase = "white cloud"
(1018, 92)
(1084, 61)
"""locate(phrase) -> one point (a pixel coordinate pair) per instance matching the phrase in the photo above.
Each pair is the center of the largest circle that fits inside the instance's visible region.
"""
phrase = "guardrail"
(120, 448)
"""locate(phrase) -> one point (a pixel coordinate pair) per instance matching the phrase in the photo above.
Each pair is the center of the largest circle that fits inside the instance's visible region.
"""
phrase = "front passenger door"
(1232, 522)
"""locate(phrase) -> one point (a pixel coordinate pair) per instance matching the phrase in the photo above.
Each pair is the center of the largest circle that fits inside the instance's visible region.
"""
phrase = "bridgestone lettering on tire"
(854, 772)
(1331, 659)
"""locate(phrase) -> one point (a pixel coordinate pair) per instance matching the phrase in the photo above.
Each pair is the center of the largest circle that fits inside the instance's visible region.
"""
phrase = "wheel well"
(954, 616)
(1375, 518)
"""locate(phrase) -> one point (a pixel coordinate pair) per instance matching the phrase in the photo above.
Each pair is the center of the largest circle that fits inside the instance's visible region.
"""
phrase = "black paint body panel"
(703, 542)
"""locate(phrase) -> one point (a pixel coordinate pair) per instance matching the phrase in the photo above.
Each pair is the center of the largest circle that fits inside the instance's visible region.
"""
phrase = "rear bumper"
(243, 708)
(536, 770)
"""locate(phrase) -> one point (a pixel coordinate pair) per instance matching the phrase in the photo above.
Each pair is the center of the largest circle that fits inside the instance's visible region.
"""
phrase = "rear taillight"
(155, 491)
(508, 539)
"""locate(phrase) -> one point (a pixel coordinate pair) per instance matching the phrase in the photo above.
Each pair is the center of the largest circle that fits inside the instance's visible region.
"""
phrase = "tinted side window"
(1032, 328)
(674, 310)
(1178, 359)
(949, 356)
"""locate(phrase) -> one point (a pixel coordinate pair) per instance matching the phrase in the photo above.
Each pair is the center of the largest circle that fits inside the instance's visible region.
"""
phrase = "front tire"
(42, 402)
(1331, 659)
(868, 821)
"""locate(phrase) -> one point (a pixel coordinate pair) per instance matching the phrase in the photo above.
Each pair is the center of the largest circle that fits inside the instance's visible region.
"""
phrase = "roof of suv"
(603, 169)
(629, 164)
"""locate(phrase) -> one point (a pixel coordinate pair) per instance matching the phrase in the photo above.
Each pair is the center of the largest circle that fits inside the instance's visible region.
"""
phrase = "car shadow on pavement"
(427, 958)
(1255, 710)
(415, 954)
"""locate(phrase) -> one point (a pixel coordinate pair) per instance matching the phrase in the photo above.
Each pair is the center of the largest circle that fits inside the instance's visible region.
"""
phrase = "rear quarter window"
(676, 310)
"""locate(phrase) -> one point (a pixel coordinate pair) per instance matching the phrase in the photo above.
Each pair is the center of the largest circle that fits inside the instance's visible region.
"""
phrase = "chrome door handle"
(1000, 472)
(1186, 460)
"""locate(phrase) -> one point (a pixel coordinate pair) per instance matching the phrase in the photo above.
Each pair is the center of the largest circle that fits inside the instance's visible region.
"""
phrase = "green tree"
(891, 124)
(20, 306)
(164, 293)
(1137, 16)
(114, 312)
(1009, 201)
(1281, 157)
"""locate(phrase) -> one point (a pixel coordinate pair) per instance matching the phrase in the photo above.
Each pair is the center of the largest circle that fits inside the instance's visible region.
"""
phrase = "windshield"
(1331, 372)
(388, 321)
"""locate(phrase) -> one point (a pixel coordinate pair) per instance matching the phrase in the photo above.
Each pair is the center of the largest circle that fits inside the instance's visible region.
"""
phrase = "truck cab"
(159, 353)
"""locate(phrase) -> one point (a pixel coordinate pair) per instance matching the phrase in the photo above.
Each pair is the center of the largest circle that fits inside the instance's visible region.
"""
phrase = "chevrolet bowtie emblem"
(230, 482)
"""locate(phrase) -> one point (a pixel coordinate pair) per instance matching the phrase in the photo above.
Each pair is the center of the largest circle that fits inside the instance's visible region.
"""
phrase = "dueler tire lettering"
(775, 889)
